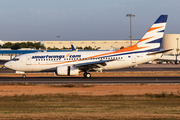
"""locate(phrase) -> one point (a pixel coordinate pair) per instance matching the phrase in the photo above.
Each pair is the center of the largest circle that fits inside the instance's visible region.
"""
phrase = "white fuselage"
(49, 61)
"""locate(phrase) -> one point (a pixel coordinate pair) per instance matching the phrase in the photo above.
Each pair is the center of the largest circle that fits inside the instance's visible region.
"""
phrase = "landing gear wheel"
(84, 75)
(24, 76)
(87, 75)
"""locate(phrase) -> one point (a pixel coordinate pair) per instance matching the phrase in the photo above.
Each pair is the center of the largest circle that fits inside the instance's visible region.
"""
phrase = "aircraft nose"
(7, 65)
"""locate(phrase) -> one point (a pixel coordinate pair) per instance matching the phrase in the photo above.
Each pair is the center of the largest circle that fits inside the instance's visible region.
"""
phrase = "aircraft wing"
(91, 65)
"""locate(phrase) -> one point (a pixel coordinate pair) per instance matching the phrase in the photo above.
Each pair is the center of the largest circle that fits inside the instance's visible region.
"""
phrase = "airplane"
(172, 58)
(72, 63)
(73, 49)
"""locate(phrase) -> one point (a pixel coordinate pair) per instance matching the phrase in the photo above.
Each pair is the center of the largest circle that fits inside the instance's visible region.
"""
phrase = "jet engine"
(67, 70)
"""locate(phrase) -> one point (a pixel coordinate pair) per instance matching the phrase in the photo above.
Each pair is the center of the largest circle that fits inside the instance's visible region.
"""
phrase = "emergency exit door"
(133, 58)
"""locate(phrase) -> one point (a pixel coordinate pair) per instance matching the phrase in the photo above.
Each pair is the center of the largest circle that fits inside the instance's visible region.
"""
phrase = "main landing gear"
(87, 75)
(24, 76)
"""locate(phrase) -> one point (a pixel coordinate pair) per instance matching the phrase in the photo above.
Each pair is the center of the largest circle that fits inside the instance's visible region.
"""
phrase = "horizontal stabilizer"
(160, 52)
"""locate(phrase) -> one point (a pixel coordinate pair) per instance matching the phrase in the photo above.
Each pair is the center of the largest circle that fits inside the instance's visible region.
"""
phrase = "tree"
(49, 48)
(23, 45)
(88, 48)
(98, 48)
(37, 45)
(66, 48)
(7, 45)
(79, 48)
(121, 47)
(30, 44)
(16, 46)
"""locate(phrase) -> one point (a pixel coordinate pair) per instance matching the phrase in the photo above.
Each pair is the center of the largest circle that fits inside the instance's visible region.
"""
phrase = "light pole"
(58, 37)
(130, 16)
(177, 50)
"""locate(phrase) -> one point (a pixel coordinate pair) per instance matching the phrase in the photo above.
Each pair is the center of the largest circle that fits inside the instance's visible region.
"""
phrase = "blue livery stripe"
(162, 19)
(156, 41)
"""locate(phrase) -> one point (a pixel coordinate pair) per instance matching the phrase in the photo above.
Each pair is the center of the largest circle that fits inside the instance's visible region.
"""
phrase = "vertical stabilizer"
(73, 49)
(153, 37)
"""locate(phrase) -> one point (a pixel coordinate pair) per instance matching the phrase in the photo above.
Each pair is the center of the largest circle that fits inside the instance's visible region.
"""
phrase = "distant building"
(171, 41)
(102, 44)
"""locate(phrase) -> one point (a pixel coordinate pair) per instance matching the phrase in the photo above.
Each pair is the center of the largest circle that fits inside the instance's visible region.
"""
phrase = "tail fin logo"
(153, 38)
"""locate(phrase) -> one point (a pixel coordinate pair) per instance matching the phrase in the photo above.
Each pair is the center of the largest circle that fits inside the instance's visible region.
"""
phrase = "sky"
(83, 19)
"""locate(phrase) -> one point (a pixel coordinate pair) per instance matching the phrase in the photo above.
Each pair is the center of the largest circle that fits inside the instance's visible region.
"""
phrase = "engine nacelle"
(67, 70)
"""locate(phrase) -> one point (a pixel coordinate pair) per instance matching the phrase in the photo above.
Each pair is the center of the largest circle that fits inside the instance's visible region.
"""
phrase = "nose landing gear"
(24, 76)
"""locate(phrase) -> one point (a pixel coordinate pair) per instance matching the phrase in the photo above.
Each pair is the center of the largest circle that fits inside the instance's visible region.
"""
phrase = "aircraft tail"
(151, 41)
(73, 49)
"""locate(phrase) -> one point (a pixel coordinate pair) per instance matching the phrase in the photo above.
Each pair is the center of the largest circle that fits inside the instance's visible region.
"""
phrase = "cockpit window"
(15, 59)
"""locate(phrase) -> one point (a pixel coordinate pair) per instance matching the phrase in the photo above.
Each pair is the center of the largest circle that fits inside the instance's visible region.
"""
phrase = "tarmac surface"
(102, 80)
(93, 80)
(142, 67)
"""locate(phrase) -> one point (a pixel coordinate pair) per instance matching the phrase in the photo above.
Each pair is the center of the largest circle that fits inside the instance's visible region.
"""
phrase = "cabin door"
(28, 60)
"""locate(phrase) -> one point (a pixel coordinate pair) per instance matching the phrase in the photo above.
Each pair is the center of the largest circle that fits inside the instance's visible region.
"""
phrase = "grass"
(17, 83)
(70, 85)
(72, 106)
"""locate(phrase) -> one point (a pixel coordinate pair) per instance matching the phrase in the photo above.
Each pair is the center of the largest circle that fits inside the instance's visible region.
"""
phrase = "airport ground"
(87, 102)
(144, 92)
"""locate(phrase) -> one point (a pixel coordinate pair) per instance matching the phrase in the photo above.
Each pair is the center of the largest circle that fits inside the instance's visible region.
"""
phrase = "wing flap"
(101, 62)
